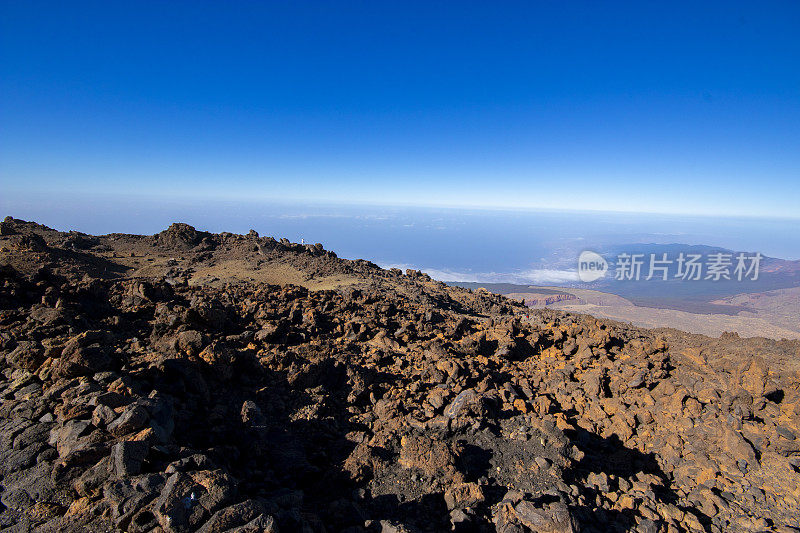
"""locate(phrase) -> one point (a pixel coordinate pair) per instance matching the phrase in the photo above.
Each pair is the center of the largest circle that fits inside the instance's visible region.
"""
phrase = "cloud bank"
(522, 277)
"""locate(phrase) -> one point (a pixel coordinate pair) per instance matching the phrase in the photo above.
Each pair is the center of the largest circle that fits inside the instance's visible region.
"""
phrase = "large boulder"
(85, 354)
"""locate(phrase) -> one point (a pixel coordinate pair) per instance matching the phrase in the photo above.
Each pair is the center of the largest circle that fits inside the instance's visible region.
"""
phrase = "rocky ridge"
(142, 398)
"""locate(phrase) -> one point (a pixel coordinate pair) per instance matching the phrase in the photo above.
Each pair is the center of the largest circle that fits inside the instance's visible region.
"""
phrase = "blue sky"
(625, 106)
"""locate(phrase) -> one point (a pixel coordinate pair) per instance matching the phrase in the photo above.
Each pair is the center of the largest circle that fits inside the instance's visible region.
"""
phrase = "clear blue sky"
(648, 106)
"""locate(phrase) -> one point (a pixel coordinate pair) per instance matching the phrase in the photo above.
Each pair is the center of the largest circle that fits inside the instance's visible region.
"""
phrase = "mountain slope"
(141, 392)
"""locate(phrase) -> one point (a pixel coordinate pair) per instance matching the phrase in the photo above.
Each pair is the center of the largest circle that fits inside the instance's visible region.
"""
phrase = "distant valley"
(771, 314)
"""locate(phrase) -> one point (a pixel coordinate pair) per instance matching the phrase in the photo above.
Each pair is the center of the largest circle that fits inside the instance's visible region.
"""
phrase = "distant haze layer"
(514, 246)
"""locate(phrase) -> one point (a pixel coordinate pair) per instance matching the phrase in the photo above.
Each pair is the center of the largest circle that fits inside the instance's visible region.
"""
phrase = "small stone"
(463, 495)
(638, 380)
(132, 419)
(102, 416)
(252, 414)
(127, 457)
(519, 405)
(552, 518)
(189, 342)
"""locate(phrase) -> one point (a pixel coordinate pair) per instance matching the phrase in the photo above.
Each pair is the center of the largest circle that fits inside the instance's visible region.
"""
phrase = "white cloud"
(543, 276)
(525, 277)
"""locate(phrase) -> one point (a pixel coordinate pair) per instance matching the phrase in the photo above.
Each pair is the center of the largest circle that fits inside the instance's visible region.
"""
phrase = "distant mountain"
(773, 273)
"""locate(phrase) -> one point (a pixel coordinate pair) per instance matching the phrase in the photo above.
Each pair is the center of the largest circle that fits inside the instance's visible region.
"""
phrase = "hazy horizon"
(453, 244)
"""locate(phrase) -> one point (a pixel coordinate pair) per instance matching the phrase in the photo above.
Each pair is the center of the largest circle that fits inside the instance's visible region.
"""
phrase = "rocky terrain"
(170, 383)
(771, 314)
(533, 299)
